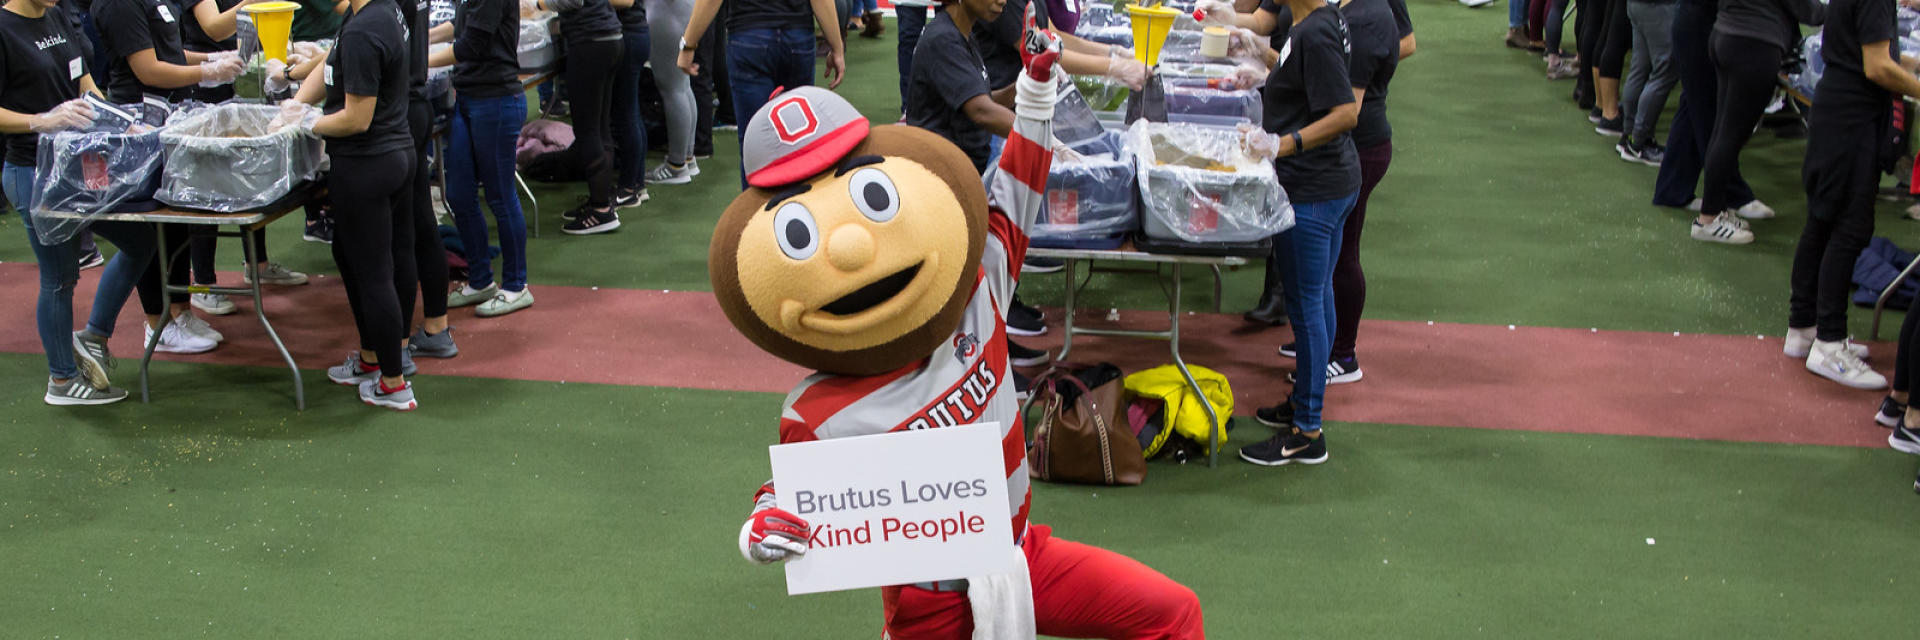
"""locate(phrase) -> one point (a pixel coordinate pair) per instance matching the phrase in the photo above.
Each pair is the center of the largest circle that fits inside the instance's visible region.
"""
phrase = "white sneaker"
(665, 173)
(1725, 228)
(1755, 210)
(1834, 361)
(196, 326)
(214, 303)
(1800, 342)
(174, 339)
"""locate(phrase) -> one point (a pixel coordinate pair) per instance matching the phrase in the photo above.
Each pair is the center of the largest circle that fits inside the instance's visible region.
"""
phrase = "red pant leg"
(918, 614)
(1080, 591)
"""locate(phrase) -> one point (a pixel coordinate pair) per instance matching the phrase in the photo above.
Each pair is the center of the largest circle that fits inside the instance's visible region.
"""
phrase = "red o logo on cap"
(793, 120)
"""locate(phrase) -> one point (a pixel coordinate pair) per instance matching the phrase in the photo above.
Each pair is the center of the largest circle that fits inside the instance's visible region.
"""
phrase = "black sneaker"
(1280, 415)
(1286, 448)
(1023, 320)
(1595, 117)
(588, 221)
(1891, 411)
(1339, 371)
(1904, 440)
(629, 198)
(1025, 356)
(319, 229)
(1607, 126)
(1042, 265)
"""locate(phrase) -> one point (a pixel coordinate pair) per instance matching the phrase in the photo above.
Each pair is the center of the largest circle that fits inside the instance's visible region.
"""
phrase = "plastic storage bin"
(539, 50)
(111, 167)
(1200, 97)
(1198, 186)
(225, 158)
(1090, 201)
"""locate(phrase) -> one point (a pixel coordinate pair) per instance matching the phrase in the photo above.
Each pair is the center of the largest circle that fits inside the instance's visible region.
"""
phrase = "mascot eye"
(874, 195)
(794, 227)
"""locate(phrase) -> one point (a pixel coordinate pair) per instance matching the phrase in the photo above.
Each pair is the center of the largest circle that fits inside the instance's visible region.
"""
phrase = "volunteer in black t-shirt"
(592, 32)
(43, 72)
(769, 46)
(144, 39)
(1309, 102)
(1848, 138)
(365, 84)
(489, 107)
(950, 92)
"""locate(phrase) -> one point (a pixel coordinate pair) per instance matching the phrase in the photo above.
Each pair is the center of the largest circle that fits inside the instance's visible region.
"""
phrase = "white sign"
(897, 508)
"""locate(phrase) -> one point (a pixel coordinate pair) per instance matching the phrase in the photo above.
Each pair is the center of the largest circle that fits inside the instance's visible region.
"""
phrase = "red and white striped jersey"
(967, 380)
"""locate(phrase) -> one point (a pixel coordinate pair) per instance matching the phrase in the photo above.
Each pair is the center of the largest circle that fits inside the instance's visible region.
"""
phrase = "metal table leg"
(1880, 306)
(166, 315)
(260, 311)
(534, 201)
(1173, 339)
(1066, 344)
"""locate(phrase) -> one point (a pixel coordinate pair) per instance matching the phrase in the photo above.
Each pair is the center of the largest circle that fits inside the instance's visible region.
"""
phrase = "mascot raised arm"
(874, 256)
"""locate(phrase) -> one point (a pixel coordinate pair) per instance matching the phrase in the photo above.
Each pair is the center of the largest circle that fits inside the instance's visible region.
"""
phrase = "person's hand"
(224, 55)
(1127, 71)
(529, 6)
(836, 69)
(773, 535)
(72, 114)
(214, 73)
(1214, 13)
(686, 63)
(1244, 43)
(1036, 41)
(275, 74)
(1248, 76)
(307, 50)
(1259, 143)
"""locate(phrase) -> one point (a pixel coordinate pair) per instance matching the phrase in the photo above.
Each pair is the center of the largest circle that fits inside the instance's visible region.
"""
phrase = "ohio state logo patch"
(966, 346)
(793, 120)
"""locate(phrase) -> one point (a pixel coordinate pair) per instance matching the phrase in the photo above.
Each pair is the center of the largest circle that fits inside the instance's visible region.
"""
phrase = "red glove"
(1039, 48)
(773, 535)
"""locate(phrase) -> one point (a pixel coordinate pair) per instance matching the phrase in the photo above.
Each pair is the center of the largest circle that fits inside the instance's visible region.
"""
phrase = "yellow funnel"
(273, 23)
(1150, 27)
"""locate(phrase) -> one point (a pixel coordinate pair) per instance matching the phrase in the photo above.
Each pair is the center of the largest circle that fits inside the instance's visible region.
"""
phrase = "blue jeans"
(1516, 14)
(1306, 255)
(60, 274)
(761, 60)
(480, 156)
(913, 20)
(629, 129)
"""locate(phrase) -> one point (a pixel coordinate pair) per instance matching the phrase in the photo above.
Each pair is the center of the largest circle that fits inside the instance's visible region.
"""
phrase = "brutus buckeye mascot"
(874, 256)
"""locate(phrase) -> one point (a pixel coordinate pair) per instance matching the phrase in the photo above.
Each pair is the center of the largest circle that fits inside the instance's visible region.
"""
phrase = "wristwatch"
(686, 47)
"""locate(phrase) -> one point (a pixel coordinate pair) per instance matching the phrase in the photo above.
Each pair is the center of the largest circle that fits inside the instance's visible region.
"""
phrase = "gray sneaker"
(668, 174)
(77, 392)
(466, 295)
(433, 345)
(274, 274)
(94, 358)
(401, 400)
(505, 302)
(352, 373)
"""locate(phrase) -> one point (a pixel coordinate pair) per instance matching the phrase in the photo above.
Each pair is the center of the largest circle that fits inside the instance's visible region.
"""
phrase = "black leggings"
(151, 301)
(1349, 281)
(373, 245)
(1604, 36)
(203, 247)
(429, 258)
(1908, 355)
(591, 88)
(1748, 69)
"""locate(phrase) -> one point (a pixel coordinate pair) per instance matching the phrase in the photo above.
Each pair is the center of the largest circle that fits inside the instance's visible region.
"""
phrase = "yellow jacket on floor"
(1183, 411)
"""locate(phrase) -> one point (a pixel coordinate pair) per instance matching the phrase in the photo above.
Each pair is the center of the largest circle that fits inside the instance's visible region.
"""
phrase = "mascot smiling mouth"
(870, 304)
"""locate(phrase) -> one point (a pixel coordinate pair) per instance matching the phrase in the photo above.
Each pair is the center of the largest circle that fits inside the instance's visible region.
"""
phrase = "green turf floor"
(504, 518)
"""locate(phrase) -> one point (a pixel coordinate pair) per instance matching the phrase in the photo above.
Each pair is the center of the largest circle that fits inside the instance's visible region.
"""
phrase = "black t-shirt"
(131, 26)
(369, 58)
(414, 15)
(486, 41)
(999, 40)
(1376, 27)
(1845, 95)
(195, 38)
(633, 18)
(768, 14)
(41, 62)
(593, 21)
(1310, 80)
(947, 72)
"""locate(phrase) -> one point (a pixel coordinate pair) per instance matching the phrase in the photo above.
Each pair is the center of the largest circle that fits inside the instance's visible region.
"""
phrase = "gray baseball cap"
(799, 133)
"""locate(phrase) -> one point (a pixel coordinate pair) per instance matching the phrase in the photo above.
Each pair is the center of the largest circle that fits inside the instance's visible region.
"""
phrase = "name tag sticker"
(164, 13)
(74, 69)
(328, 76)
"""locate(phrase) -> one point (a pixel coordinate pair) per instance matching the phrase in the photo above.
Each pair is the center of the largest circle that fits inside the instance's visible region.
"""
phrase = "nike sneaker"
(1286, 448)
(1890, 413)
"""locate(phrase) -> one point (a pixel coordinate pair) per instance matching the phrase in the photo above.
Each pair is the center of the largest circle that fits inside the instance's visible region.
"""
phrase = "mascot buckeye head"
(854, 251)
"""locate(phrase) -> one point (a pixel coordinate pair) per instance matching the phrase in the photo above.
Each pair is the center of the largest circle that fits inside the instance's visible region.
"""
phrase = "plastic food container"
(1197, 186)
(539, 50)
(224, 158)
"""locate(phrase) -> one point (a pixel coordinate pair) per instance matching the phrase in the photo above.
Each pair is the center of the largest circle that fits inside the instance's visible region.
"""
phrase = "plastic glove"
(275, 73)
(214, 73)
(773, 535)
(1063, 153)
(528, 7)
(294, 113)
(1214, 13)
(1258, 143)
(224, 55)
(72, 114)
(1249, 76)
(1127, 71)
(1244, 43)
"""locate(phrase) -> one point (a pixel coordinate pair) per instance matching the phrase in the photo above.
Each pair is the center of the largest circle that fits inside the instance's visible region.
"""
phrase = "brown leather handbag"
(1082, 433)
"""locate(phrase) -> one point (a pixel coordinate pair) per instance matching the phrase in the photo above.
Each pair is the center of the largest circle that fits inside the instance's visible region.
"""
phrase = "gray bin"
(1238, 200)
(224, 158)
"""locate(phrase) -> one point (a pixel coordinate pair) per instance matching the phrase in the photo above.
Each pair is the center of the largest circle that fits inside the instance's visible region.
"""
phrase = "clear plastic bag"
(1811, 69)
(1207, 97)
(439, 12)
(537, 51)
(1090, 196)
(225, 158)
(112, 166)
(1073, 119)
(1198, 184)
